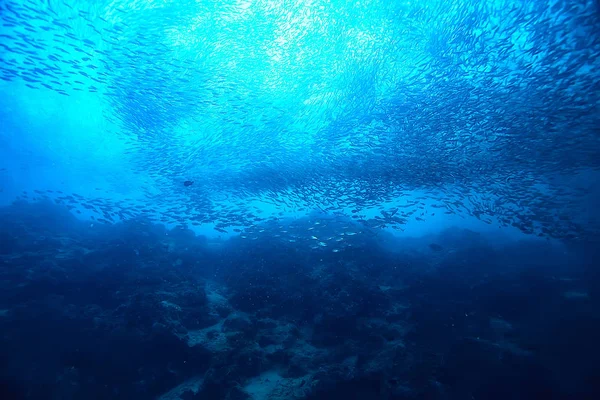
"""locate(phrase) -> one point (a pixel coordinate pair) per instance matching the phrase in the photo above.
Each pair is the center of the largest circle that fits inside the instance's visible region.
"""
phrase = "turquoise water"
(256, 135)
(486, 110)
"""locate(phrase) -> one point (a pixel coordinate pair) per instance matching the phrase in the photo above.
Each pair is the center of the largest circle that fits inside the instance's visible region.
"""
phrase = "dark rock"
(240, 323)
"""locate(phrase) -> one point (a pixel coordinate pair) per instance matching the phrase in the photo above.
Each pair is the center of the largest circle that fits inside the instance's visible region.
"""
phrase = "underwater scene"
(299, 199)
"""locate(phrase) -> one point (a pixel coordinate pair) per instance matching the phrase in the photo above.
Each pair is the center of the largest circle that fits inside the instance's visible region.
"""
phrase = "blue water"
(299, 199)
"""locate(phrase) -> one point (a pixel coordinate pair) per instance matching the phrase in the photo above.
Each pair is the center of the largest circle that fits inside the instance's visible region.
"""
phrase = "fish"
(435, 247)
(479, 128)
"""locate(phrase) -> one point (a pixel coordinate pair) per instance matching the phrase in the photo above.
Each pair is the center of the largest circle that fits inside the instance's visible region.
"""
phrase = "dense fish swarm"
(487, 109)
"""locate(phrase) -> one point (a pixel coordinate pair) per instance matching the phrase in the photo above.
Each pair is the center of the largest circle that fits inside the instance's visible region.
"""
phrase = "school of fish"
(374, 112)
